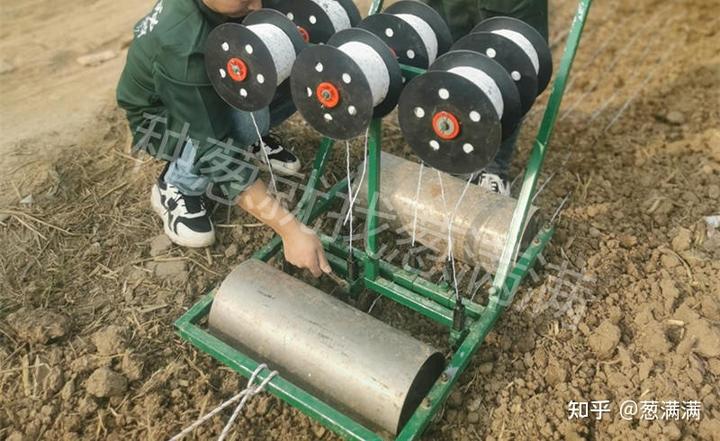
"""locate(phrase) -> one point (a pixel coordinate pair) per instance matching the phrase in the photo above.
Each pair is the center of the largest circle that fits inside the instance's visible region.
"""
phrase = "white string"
(244, 395)
(417, 202)
(350, 193)
(252, 391)
(282, 50)
(426, 33)
(451, 256)
(273, 184)
(362, 176)
(451, 220)
(486, 83)
(372, 66)
(524, 44)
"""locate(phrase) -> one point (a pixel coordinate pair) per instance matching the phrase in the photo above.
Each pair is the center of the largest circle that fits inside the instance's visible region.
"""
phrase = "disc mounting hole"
(444, 93)
(319, 67)
(410, 54)
(312, 19)
(468, 148)
(389, 32)
(249, 49)
(346, 78)
(475, 116)
(516, 75)
(225, 46)
(490, 52)
(434, 145)
(419, 112)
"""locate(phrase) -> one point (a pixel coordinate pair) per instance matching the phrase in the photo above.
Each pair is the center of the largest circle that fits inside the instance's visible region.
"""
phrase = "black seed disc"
(396, 79)
(235, 43)
(537, 40)
(337, 122)
(511, 57)
(430, 16)
(311, 17)
(231, 41)
(511, 97)
(404, 41)
(478, 138)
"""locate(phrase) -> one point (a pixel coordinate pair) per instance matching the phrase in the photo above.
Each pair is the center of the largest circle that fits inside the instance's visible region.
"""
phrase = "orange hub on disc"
(237, 69)
(328, 95)
(446, 125)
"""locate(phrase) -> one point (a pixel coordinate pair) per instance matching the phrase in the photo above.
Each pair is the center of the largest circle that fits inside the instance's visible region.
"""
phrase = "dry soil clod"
(38, 325)
(604, 340)
(105, 383)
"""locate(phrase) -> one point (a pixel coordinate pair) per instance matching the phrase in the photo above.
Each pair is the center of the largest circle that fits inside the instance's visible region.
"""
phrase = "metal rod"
(407, 280)
(375, 7)
(372, 268)
(537, 156)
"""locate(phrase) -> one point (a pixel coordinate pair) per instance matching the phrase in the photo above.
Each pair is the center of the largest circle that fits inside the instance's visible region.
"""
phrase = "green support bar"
(537, 156)
(406, 280)
(372, 267)
(375, 7)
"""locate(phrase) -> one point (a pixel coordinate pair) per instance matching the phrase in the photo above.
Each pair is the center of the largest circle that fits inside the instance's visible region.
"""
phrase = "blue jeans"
(182, 171)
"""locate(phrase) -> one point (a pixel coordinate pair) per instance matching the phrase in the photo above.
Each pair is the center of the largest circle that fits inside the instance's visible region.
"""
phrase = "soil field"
(626, 305)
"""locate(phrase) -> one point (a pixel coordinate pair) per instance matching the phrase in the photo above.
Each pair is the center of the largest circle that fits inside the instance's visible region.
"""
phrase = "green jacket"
(463, 15)
(164, 87)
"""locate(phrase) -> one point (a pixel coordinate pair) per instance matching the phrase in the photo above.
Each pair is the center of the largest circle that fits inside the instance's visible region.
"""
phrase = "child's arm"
(302, 246)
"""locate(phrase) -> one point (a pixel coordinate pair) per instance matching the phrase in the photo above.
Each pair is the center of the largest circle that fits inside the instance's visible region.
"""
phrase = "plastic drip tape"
(280, 47)
(372, 66)
(485, 83)
(336, 13)
(426, 33)
(520, 40)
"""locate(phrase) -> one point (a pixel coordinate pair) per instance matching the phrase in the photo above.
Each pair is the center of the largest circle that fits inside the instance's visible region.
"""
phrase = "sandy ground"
(89, 290)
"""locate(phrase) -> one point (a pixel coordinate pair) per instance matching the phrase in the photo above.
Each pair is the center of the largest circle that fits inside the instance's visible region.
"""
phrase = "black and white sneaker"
(282, 160)
(494, 183)
(185, 219)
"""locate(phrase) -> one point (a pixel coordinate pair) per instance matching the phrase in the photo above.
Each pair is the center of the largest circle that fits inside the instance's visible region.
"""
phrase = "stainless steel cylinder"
(348, 358)
(480, 224)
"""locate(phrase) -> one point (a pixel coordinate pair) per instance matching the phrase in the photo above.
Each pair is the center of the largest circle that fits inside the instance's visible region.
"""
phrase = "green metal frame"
(437, 302)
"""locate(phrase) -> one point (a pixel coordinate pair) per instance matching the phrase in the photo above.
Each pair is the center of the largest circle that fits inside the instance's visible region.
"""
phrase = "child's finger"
(314, 268)
(324, 264)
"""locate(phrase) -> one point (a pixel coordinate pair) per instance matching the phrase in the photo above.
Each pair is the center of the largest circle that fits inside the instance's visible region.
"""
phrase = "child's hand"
(304, 250)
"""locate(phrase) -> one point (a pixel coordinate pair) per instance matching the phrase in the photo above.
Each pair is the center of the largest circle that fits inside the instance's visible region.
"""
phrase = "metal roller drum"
(481, 221)
(345, 356)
